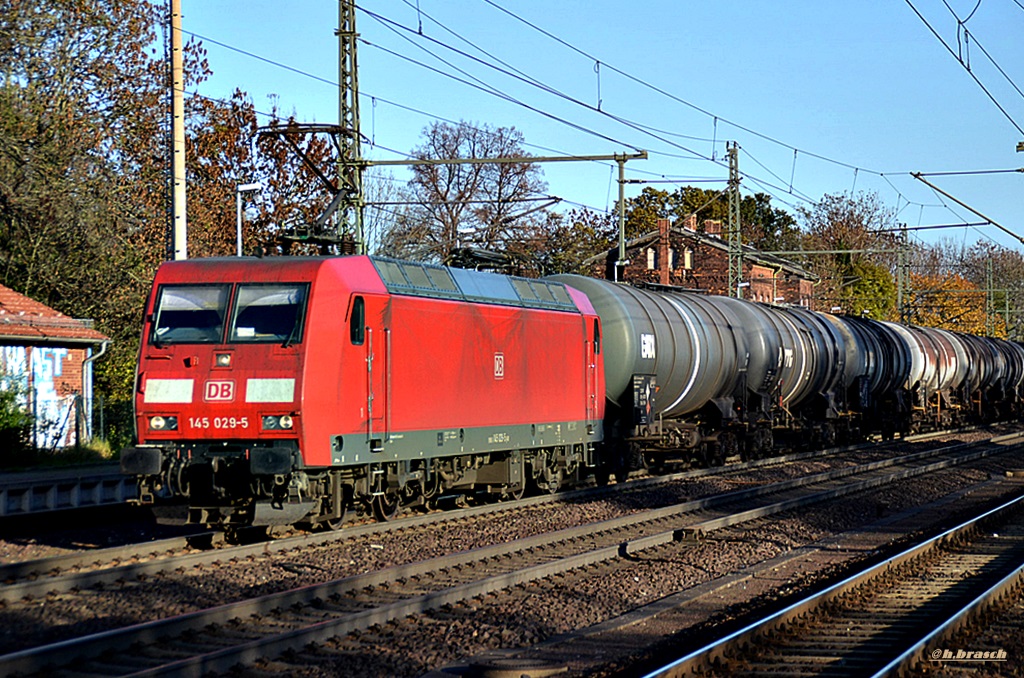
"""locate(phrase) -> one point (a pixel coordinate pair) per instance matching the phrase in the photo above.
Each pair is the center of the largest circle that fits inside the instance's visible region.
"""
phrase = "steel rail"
(707, 657)
(34, 578)
(38, 659)
(912, 657)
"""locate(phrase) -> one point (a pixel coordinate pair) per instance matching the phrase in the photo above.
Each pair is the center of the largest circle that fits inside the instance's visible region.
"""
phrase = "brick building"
(47, 357)
(683, 257)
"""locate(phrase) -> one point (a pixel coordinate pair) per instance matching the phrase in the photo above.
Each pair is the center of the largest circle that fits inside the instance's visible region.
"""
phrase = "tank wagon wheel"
(713, 454)
(202, 541)
(757, 445)
(603, 475)
(827, 436)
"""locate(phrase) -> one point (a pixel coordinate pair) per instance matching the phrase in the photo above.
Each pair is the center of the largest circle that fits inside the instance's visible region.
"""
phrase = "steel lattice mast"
(350, 161)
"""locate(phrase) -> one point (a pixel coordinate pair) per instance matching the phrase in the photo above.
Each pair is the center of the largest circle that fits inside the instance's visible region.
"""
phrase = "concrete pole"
(180, 225)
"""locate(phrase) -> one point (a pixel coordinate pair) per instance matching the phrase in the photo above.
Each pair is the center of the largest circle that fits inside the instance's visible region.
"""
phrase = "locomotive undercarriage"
(384, 489)
(236, 487)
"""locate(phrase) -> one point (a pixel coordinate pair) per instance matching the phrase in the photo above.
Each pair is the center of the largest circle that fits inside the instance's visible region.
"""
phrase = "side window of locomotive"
(357, 321)
(597, 337)
(269, 313)
(190, 314)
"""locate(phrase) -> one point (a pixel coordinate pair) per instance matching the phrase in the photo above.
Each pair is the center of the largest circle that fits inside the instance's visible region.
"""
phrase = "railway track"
(107, 566)
(890, 618)
(218, 638)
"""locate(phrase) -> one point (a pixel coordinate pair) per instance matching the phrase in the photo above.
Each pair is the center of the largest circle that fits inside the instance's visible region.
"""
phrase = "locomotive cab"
(217, 392)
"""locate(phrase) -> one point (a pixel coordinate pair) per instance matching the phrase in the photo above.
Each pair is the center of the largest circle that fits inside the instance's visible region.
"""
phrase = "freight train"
(298, 390)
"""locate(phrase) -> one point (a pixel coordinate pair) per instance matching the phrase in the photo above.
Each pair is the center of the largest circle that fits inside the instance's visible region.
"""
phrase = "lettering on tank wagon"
(647, 346)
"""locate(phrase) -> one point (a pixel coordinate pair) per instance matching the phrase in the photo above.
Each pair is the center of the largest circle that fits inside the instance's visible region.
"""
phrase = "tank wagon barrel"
(698, 376)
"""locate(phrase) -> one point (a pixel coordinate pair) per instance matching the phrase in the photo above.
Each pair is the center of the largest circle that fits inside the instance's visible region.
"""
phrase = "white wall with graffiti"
(54, 386)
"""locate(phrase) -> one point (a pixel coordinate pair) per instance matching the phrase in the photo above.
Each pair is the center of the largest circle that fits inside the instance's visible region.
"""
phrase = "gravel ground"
(531, 614)
(523, 617)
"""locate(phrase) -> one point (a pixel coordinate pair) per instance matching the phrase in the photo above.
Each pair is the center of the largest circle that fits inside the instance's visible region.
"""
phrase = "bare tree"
(470, 204)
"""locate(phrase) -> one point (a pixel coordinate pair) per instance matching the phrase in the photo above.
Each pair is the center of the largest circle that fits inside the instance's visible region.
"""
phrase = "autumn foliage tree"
(951, 302)
(84, 168)
(82, 163)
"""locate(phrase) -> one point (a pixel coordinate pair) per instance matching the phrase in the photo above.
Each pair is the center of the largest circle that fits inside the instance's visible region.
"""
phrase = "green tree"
(764, 226)
(567, 240)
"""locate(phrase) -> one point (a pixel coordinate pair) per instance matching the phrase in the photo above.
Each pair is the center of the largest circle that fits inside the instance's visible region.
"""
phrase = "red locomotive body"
(285, 389)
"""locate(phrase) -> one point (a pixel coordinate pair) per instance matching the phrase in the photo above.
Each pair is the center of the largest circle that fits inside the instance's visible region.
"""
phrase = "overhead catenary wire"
(698, 156)
(969, 71)
(654, 132)
(962, 23)
(772, 187)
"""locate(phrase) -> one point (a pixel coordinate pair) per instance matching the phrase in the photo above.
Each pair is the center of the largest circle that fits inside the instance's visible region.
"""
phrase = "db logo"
(219, 391)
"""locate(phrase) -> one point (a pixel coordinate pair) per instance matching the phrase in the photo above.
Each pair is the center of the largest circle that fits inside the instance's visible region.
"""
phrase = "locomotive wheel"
(384, 500)
(514, 492)
(547, 475)
(335, 524)
(385, 506)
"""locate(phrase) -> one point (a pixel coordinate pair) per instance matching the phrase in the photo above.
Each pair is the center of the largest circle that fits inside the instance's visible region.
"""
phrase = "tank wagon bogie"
(297, 390)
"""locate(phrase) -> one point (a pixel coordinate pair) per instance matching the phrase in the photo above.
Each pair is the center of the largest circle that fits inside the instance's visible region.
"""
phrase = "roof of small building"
(749, 253)
(27, 321)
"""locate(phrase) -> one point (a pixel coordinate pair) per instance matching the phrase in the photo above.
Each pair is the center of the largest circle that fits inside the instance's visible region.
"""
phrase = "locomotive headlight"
(278, 423)
(223, 360)
(159, 423)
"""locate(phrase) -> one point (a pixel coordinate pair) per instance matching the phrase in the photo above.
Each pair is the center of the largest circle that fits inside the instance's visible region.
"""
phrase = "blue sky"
(822, 96)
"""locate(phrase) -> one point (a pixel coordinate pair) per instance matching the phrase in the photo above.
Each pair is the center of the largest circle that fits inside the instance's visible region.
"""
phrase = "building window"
(652, 259)
(687, 259)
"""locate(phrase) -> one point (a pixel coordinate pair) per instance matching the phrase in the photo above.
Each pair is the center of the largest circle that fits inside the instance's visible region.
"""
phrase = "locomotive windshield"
(196, 314)
(189, 314)
(268, 313)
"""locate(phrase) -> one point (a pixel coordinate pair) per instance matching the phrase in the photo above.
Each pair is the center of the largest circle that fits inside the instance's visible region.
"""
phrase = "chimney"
(663, 251)
(713, 227)
(691, 223)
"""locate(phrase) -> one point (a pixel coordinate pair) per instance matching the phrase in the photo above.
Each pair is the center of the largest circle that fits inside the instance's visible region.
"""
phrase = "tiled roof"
(24, 320)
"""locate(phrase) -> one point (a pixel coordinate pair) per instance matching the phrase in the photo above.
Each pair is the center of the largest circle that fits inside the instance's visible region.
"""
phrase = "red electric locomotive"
(290, 390)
